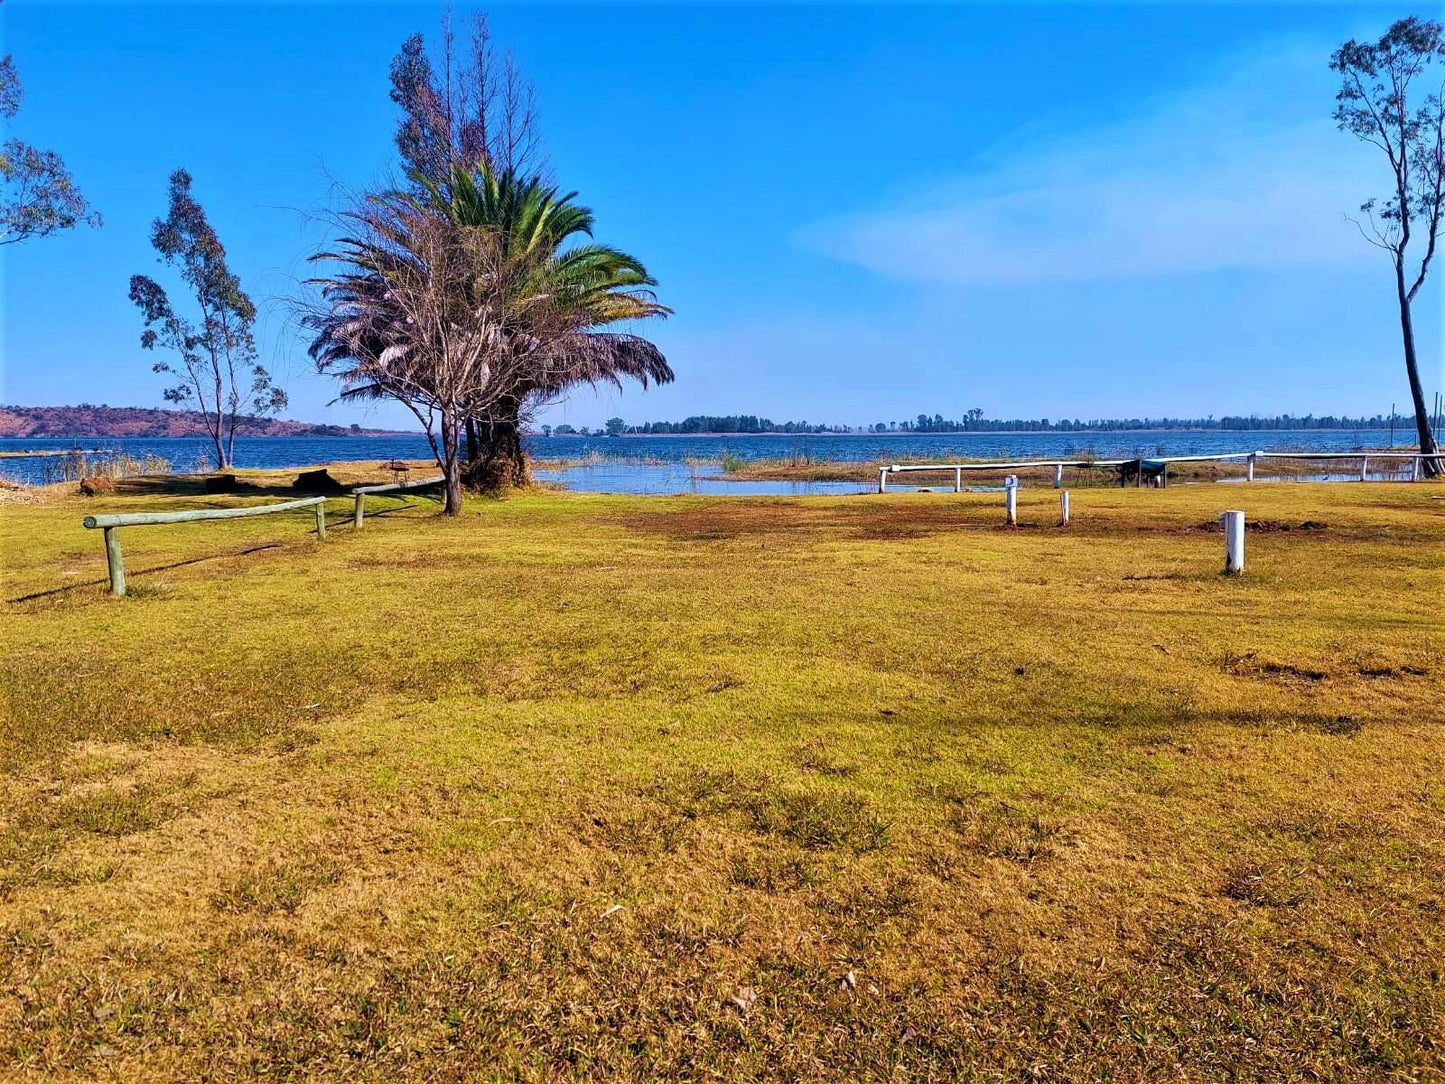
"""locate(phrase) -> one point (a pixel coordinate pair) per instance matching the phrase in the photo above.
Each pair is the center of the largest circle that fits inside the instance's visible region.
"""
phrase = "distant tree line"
(973, 421)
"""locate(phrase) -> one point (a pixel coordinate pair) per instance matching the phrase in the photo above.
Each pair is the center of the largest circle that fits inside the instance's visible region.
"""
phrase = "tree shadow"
(132, 573)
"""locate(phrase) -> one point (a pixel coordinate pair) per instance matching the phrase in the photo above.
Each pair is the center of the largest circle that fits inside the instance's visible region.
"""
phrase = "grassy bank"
(581, 786)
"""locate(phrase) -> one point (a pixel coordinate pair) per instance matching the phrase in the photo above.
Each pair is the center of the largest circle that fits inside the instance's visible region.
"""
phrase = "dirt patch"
(1267, 526)
(1251, 665)
(870, 520)
(1392, 671)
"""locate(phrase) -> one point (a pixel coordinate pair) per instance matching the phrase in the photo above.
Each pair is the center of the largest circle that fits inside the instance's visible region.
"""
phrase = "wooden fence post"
(360, 510)
(1233, 543)
(1064, 508)
(113, 561)
(321, 521)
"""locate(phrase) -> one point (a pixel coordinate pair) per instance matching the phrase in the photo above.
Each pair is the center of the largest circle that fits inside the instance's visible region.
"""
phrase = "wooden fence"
(111, 525)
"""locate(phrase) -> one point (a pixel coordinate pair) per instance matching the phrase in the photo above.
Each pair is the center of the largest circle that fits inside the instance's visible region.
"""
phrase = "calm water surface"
(661, 464)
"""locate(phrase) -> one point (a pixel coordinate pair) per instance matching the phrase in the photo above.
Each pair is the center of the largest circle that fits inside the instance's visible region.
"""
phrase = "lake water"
(661, 464)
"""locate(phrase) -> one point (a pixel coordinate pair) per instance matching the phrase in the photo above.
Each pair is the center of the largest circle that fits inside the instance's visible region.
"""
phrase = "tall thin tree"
(214, 358)
(1377, 104)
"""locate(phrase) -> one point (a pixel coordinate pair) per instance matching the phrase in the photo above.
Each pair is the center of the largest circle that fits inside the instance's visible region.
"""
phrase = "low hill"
(107, 421)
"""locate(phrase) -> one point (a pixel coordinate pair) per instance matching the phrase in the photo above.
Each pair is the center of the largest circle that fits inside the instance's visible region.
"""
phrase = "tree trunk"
(500, 462)
(451, 464)
(1412, 371)
(474, 443)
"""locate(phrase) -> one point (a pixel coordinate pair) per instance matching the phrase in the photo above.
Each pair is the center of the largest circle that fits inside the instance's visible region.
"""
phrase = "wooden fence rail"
(359, 516)
(111, 525)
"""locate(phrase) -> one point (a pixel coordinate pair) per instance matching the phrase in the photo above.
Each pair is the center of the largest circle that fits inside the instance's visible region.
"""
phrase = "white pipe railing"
(1161, 462)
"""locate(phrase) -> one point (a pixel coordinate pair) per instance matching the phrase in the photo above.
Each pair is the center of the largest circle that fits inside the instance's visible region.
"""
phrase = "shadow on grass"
(132, 573)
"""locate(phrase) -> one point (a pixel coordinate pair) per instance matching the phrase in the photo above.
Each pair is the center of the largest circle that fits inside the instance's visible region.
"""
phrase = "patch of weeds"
(1002, 830)
(106, 813)
(772, 870)
(820, 820)
(147, 590)
(1264, 884)
(921, 751)
(813, 756)
(29, 843)
(1346, 726)
(868, 904)
(644, 829)
(274, 888)
(697, 792)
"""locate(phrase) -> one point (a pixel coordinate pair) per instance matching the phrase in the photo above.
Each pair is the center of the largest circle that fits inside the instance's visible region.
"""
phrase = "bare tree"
(472, 107)
(1374, 104)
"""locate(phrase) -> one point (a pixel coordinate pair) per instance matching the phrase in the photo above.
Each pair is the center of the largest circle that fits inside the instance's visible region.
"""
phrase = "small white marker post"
(1064, 508)
(958, 479)
(882, 479)
(1250, 475)
(1011, 499)
(1058, 475)
(1364, 467)
(1233, 543)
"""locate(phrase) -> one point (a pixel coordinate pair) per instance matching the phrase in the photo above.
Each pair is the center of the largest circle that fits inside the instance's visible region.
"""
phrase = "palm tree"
(415, 312)
(567, 298)
(462, 304)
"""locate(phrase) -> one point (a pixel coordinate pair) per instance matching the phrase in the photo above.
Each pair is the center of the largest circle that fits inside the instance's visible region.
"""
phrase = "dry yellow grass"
(753, 789)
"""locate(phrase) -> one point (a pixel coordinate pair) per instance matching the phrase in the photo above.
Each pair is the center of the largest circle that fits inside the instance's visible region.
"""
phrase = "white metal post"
(958, 479)
(882, 479)
(1011, 502)
(1058, 475)
(1416, 476)
(1364, 466)
(1250, 475)
(1233, 543)
(1064, 508)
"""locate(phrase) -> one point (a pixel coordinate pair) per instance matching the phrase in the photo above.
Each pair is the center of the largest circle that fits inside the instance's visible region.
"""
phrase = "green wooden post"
(360, 509)
(113, 562)
(321, 521)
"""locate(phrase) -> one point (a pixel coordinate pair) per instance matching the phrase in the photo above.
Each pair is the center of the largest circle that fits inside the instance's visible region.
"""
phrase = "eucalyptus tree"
(213, 357)
(37, 194)
(1378, 104)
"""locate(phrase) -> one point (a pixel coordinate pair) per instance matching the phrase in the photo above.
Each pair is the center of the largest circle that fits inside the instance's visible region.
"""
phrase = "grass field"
(862, 788)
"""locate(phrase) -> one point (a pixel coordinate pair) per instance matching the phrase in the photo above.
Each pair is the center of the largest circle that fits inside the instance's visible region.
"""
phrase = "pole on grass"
(1233, 542)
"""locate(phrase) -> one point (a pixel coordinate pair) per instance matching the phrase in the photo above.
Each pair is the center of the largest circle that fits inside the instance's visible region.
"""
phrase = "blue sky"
(859, 213)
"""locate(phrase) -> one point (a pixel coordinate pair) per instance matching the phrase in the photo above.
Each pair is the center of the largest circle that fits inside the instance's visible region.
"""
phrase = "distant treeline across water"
(974, 422)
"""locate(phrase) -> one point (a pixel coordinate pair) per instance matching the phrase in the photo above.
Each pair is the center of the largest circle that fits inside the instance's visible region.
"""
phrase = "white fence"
(1156, 465)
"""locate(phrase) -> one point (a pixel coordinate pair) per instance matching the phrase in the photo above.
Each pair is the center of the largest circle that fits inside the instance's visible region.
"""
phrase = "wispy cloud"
(1246, 171)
